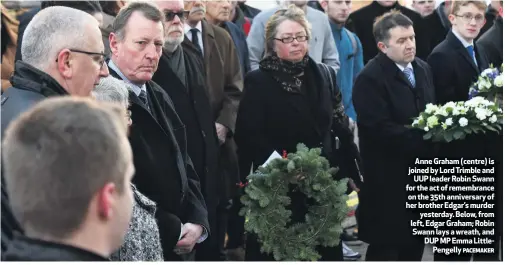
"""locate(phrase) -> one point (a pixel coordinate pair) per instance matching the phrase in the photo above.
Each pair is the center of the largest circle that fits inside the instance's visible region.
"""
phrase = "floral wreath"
(266, 200)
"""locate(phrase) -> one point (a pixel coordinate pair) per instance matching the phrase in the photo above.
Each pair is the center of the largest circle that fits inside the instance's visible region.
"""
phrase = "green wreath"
(266, 199)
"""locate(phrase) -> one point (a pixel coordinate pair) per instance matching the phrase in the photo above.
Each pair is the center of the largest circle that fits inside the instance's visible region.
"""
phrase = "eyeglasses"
(291, 39)
(100, 61)
(182, 14)
(479, 19)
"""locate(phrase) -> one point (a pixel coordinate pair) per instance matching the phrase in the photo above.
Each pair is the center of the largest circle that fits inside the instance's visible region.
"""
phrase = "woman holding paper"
(291, 99)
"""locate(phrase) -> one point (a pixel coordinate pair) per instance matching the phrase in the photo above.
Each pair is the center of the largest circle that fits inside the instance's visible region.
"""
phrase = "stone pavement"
(351, 221)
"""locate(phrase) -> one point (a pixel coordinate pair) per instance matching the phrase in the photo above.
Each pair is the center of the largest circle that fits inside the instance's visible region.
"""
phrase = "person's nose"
(176, 20)
(226, 5)
(104, 71)
(151, 52)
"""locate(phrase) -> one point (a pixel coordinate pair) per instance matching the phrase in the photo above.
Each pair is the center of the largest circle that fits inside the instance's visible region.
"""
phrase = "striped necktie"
(409, 73)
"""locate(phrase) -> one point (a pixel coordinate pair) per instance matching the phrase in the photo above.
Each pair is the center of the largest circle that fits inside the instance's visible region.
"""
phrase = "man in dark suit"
(437, 24)
(224, 83)
(164, 171)
(491, 42)
(181, 74)
(393, 88)
(456, 62)
(361, 21)
(218, 14)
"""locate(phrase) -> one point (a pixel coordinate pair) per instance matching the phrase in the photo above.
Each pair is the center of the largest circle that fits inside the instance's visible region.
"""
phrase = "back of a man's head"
(51, 30)
(68, 166)
(89, 7)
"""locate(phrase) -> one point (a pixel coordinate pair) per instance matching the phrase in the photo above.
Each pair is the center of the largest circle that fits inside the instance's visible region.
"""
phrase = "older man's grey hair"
(52, 30)
(111, 89)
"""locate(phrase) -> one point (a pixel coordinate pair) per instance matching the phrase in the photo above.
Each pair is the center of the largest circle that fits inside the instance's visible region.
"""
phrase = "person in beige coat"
(9, 40)
(224, 82)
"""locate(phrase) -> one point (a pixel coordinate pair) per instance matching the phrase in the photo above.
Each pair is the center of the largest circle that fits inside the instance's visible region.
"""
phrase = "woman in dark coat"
(287, 101)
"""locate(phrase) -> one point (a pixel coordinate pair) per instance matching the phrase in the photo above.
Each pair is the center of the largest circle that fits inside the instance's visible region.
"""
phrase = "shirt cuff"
(203, 236)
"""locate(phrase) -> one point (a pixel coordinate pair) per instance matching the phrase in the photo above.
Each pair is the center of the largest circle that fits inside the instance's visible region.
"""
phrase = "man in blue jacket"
(349, 49)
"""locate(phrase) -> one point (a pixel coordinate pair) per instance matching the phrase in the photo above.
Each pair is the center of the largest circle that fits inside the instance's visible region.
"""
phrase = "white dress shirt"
(187, 31)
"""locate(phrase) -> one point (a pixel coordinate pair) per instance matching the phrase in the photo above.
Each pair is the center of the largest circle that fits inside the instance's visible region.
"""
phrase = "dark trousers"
(406, 251)
(222, 224)
(235, 228)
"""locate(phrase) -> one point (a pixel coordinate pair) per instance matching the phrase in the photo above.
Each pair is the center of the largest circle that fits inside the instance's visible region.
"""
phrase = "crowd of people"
(129, 128)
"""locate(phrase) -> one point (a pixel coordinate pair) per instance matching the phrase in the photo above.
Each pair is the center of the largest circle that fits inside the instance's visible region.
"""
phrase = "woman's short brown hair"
(292, 13)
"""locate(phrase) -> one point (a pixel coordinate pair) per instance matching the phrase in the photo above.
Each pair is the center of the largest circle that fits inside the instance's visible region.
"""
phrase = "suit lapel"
(208, 42)
(461, 50)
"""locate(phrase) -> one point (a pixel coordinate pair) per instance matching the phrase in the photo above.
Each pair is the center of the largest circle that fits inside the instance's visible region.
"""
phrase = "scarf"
(285, 72)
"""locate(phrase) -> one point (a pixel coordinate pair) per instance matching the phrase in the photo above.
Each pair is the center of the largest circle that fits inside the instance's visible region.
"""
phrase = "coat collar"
(30, 78)
(419, 92)
(209, 39)
(456, 44)
(23, 248)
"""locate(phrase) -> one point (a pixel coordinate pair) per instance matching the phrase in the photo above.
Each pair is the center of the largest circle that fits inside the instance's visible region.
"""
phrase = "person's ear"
(382, 47)
(324, 5)
(64, 63)
(106, 200)
(113, 43)
(452, 19)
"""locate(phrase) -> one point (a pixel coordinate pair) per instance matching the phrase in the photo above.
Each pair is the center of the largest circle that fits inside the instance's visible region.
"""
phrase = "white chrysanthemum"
(481, 115)
(448, 121)
(493, 119)
(463, 122)
(432, 121)
(456, 111)
(450, 104)
(430, 108)
(426, 129)
(498, 81)
(442, 111)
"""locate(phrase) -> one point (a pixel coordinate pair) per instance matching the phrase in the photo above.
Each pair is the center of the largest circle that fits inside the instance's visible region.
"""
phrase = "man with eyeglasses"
(457, 63)
(181, 74)
(62, 55)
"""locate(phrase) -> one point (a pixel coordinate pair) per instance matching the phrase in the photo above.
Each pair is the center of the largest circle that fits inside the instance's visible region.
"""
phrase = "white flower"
(456, 111)
(463, 122)
(448, 121)
(416, 122)
(450, 104)
(481, 115)
(498, 81)
(487, 71)
(432, 121)
(488, 84)
(426, 129)
(430, 108)
(442, 111)
(493, 119)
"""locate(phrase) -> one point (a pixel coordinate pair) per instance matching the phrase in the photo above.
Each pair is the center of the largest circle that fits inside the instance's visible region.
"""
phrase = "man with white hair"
(181, 74)
(62, 55)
